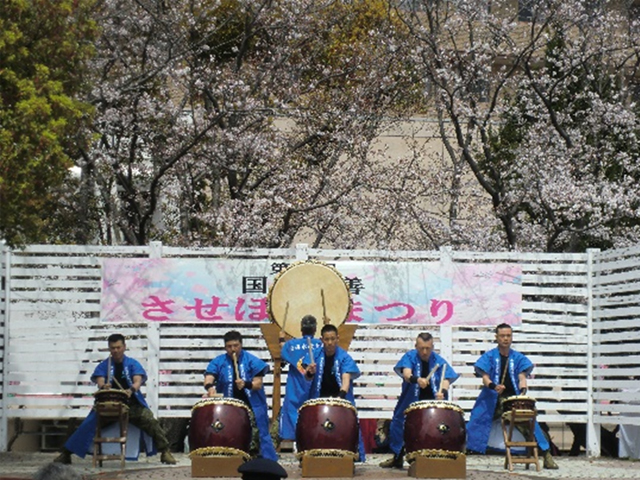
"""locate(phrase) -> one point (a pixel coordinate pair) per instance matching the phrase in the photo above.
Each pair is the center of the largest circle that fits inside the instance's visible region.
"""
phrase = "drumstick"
(109, 377)
(310, 350)
(504, 372)
(284, 322)
(433, 370)
(444, 369)
(235, 365)
(118, 383)
(325, 320)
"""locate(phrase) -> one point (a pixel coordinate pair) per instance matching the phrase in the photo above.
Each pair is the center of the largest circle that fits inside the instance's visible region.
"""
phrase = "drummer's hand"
(211, 392)
(422, 382)
(128, 392)
(240, 383)
(440, 396)
(106, 386)
(500, 388)
(311, 370)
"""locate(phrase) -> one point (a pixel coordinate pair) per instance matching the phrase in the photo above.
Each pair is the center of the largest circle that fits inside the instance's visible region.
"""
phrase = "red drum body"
(519, 402)
(219, 427)
(434, 429)
(327, 427)
(111, 402)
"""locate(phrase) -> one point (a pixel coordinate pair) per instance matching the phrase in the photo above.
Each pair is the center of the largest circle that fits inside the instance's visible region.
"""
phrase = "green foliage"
(43, 47)
(228, 20)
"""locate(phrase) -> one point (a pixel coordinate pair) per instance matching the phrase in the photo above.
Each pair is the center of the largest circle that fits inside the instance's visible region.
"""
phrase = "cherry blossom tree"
(242, 123)
(536, 105)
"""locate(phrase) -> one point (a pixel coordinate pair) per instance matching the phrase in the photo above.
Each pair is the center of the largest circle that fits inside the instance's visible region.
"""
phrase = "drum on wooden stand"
(220, 427)
(327, 427)
(308, 288)
(519, 402)
(435, 429)
(111, 402)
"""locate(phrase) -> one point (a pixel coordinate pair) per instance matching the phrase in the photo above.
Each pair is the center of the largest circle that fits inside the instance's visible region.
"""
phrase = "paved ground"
(25, 465)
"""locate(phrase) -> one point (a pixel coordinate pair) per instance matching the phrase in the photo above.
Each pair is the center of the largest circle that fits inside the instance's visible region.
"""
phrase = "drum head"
(299, 290)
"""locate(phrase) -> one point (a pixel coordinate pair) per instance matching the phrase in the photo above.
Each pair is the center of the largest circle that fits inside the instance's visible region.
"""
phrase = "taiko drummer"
(504, 373)
(293, 352)
(239, 374)
(123, 373)
(332, 371)
(426, 376)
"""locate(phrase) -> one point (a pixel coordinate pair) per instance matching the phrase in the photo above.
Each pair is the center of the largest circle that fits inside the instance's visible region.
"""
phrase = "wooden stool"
(514, 417)
(109, 412)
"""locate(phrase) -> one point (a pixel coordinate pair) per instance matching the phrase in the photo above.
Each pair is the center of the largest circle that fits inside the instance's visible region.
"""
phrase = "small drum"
(308, 288)
(220, 427)
(327, 427)
(434, 428)
(111, 402)
(519, 402)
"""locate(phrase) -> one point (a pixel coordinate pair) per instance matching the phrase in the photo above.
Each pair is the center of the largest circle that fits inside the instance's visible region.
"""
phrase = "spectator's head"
(262, 469)
(57, 471)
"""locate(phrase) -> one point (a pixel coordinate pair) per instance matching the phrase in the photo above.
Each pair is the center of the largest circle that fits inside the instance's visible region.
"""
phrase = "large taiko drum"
(308, 288)
(111, 402)
(327, 427)
(519, 402)
(220, 427)
(434, 428)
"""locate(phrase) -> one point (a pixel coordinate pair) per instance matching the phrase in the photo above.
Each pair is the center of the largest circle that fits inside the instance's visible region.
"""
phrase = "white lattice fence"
(53, 336)
(616, 338)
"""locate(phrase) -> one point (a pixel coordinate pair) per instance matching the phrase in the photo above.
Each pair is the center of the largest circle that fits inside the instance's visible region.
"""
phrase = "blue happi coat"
(293, 353)
(479, 426)
(343, 363)
(249, 366)
(411, 391)
(81, 442)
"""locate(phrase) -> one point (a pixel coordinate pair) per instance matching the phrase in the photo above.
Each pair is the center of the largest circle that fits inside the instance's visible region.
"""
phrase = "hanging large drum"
(434, 429)
(327, 427)
(308, 288)
(220, 427)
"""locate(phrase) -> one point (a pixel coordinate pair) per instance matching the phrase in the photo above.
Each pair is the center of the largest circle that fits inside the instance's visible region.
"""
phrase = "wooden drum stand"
(513, 417)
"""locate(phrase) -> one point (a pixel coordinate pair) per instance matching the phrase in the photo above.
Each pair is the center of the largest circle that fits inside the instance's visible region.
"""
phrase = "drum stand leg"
(121, 415)
(509, 420)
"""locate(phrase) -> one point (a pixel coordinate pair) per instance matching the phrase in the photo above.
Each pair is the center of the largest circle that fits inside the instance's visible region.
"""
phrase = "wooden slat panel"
(553, 333)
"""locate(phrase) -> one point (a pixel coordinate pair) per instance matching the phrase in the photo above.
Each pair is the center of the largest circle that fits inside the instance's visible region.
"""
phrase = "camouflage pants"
(143, 418)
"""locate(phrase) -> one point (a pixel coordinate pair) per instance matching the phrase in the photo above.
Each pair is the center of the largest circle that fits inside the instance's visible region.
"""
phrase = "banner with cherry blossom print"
(235, 290)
